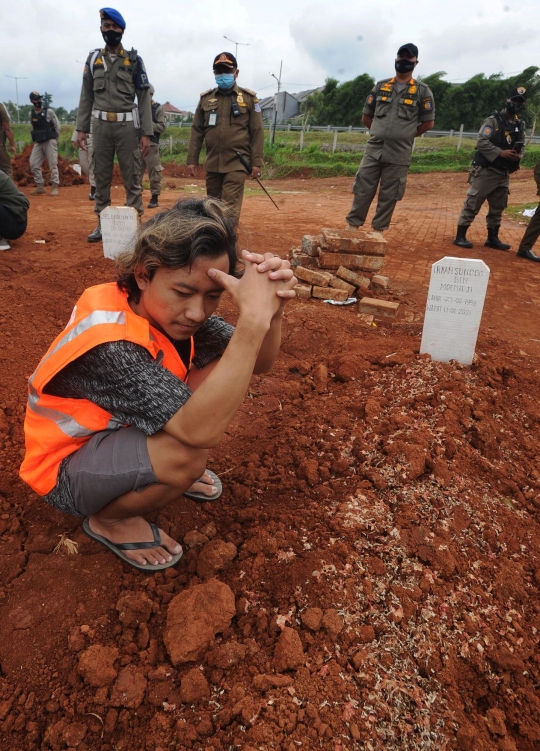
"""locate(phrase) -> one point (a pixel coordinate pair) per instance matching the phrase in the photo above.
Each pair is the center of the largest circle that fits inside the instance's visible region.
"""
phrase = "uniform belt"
(113, 117)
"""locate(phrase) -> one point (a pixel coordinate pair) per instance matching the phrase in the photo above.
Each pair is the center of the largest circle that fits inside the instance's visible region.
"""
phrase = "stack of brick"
(336, 265)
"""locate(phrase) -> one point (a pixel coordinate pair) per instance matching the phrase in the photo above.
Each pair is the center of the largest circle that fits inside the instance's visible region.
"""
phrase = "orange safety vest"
(55, 426)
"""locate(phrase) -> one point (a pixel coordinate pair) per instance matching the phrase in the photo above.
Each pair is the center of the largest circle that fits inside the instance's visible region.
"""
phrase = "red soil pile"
(22, 175)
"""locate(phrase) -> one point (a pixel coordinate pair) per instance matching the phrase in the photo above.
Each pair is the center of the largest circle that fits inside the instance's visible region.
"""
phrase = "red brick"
(298, 258)
(378, 308)
(303, 292)
(347, 241)
(310, 243)
(328, 293)
(377, 280)
(320, 278)
(363, 263)
(353, 278)
(340, 284)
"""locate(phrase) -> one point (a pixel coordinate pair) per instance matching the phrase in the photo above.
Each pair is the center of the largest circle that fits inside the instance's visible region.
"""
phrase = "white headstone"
(118, 229)
(457, 291)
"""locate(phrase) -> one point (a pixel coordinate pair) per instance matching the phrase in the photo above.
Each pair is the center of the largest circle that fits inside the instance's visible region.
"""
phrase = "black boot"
(153, 201)
(95, 236)
(493, 240)
(92, 194)
(527, 253)
(461, 236)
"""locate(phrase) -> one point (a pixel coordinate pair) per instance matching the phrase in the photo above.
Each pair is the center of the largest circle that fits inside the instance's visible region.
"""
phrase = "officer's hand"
(510, 154)
(144, 146)
(192, 170)
(255, 172)
(82, 139)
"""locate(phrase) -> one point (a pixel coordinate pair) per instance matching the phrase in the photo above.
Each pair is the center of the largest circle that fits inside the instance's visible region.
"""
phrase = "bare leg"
(176, 467)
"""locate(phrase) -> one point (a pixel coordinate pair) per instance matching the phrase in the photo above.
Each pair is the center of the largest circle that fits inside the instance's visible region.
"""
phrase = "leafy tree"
(339, 104)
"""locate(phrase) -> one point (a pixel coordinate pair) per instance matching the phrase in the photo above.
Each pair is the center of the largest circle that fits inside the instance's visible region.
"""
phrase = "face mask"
(404, 66)
(225, 80)
(112, 38)
(38, 105)
(514, 107)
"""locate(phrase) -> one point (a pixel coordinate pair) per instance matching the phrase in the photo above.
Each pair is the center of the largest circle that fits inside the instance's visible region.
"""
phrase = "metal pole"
(460, 137)
(244, 44)
(335, 142)
(277, 101)
(301, 140)
(170, 144)
(17, 79)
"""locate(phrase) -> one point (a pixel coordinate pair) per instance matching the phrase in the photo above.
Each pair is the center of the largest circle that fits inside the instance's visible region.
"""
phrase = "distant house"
(173, 114)
(287, 105)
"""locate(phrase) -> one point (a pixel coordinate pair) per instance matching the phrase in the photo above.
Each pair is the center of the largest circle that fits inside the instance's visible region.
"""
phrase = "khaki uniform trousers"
(391, 179)
(229, 187)
(155, 169)
(120, 139)
(47, 150)
(86, 160)
(532, 233)
(5, 159)
(486, 185)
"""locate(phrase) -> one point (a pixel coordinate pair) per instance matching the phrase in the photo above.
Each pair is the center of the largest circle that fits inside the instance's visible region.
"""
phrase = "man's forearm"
(270, 347)
(203, 419)
(9, 135)
(424, 127)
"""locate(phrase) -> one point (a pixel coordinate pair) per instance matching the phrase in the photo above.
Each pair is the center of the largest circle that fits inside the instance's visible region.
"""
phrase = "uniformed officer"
(397, 110)
(499, 148)
(229, 120)
(152, 161)
(112, 78)
(86, 160)
(6, 134)
(45, 132)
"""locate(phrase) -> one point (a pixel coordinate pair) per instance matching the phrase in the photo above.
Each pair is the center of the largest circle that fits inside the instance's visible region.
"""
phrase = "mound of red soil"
(22, 175)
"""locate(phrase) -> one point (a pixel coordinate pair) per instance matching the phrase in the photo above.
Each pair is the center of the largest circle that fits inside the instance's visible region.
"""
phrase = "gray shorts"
(110, 464)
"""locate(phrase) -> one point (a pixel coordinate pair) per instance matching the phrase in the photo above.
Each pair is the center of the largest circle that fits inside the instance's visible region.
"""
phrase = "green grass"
(284, 158)
(515, 211)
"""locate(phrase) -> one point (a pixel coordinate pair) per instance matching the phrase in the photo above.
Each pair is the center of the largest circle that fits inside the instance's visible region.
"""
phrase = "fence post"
(335, 142)
(170, 144)
(460, 136)
(308, 127)
(413, 145)
(451, 132)
(288, 126)
(350, 128)
(302, 140)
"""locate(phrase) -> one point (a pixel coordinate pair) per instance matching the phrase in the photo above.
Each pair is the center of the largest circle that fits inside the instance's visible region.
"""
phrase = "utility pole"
(17, 79)
(243, 44)
(277, 98)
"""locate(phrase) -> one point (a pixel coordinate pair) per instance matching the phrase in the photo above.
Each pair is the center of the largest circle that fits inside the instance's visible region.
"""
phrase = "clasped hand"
(264, 289)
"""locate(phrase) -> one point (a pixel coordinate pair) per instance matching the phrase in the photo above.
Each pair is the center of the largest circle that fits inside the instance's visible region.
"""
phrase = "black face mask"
(514, 107)
(404, 66)
(38, 105)
(112, 38)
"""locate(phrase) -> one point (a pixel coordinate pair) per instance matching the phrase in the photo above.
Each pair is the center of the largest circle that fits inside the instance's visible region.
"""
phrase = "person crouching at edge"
(144, 379)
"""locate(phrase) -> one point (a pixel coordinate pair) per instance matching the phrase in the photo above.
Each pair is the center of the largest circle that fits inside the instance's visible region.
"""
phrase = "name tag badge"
(212, 118)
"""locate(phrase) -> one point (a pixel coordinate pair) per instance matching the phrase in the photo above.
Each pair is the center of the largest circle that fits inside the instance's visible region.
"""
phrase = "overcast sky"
(45, 40)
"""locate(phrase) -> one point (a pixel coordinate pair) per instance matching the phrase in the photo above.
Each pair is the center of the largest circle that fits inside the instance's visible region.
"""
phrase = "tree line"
(63, 115)
(341, 104)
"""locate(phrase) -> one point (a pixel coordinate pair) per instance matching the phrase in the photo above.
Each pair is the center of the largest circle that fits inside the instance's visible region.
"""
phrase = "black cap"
(520, 92)
(410, 48)
(35, 95)
(225, 60)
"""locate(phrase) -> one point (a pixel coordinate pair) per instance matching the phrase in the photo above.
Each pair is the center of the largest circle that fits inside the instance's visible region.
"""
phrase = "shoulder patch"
(248, 91)
(370, 100)
(427, 104)
(487, 130)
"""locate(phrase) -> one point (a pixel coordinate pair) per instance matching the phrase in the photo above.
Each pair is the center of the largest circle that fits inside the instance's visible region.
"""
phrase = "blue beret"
(113, 15)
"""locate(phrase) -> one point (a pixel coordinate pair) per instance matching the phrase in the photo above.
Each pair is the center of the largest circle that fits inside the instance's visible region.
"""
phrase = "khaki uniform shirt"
(223, 133)
(160, 121)
(396, 116)
(111, 85)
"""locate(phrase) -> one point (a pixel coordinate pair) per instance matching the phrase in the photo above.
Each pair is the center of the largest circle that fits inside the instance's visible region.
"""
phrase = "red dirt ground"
(398, 496)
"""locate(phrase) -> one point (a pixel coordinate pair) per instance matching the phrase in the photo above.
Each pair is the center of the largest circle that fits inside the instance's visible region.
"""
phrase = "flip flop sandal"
(202, 497)
(117, 548)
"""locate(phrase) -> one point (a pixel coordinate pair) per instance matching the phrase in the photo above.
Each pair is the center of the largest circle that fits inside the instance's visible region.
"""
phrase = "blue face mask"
(225, 80)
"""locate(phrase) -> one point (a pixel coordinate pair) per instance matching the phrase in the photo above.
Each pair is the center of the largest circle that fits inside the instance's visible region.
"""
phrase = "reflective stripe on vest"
(55, 426)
